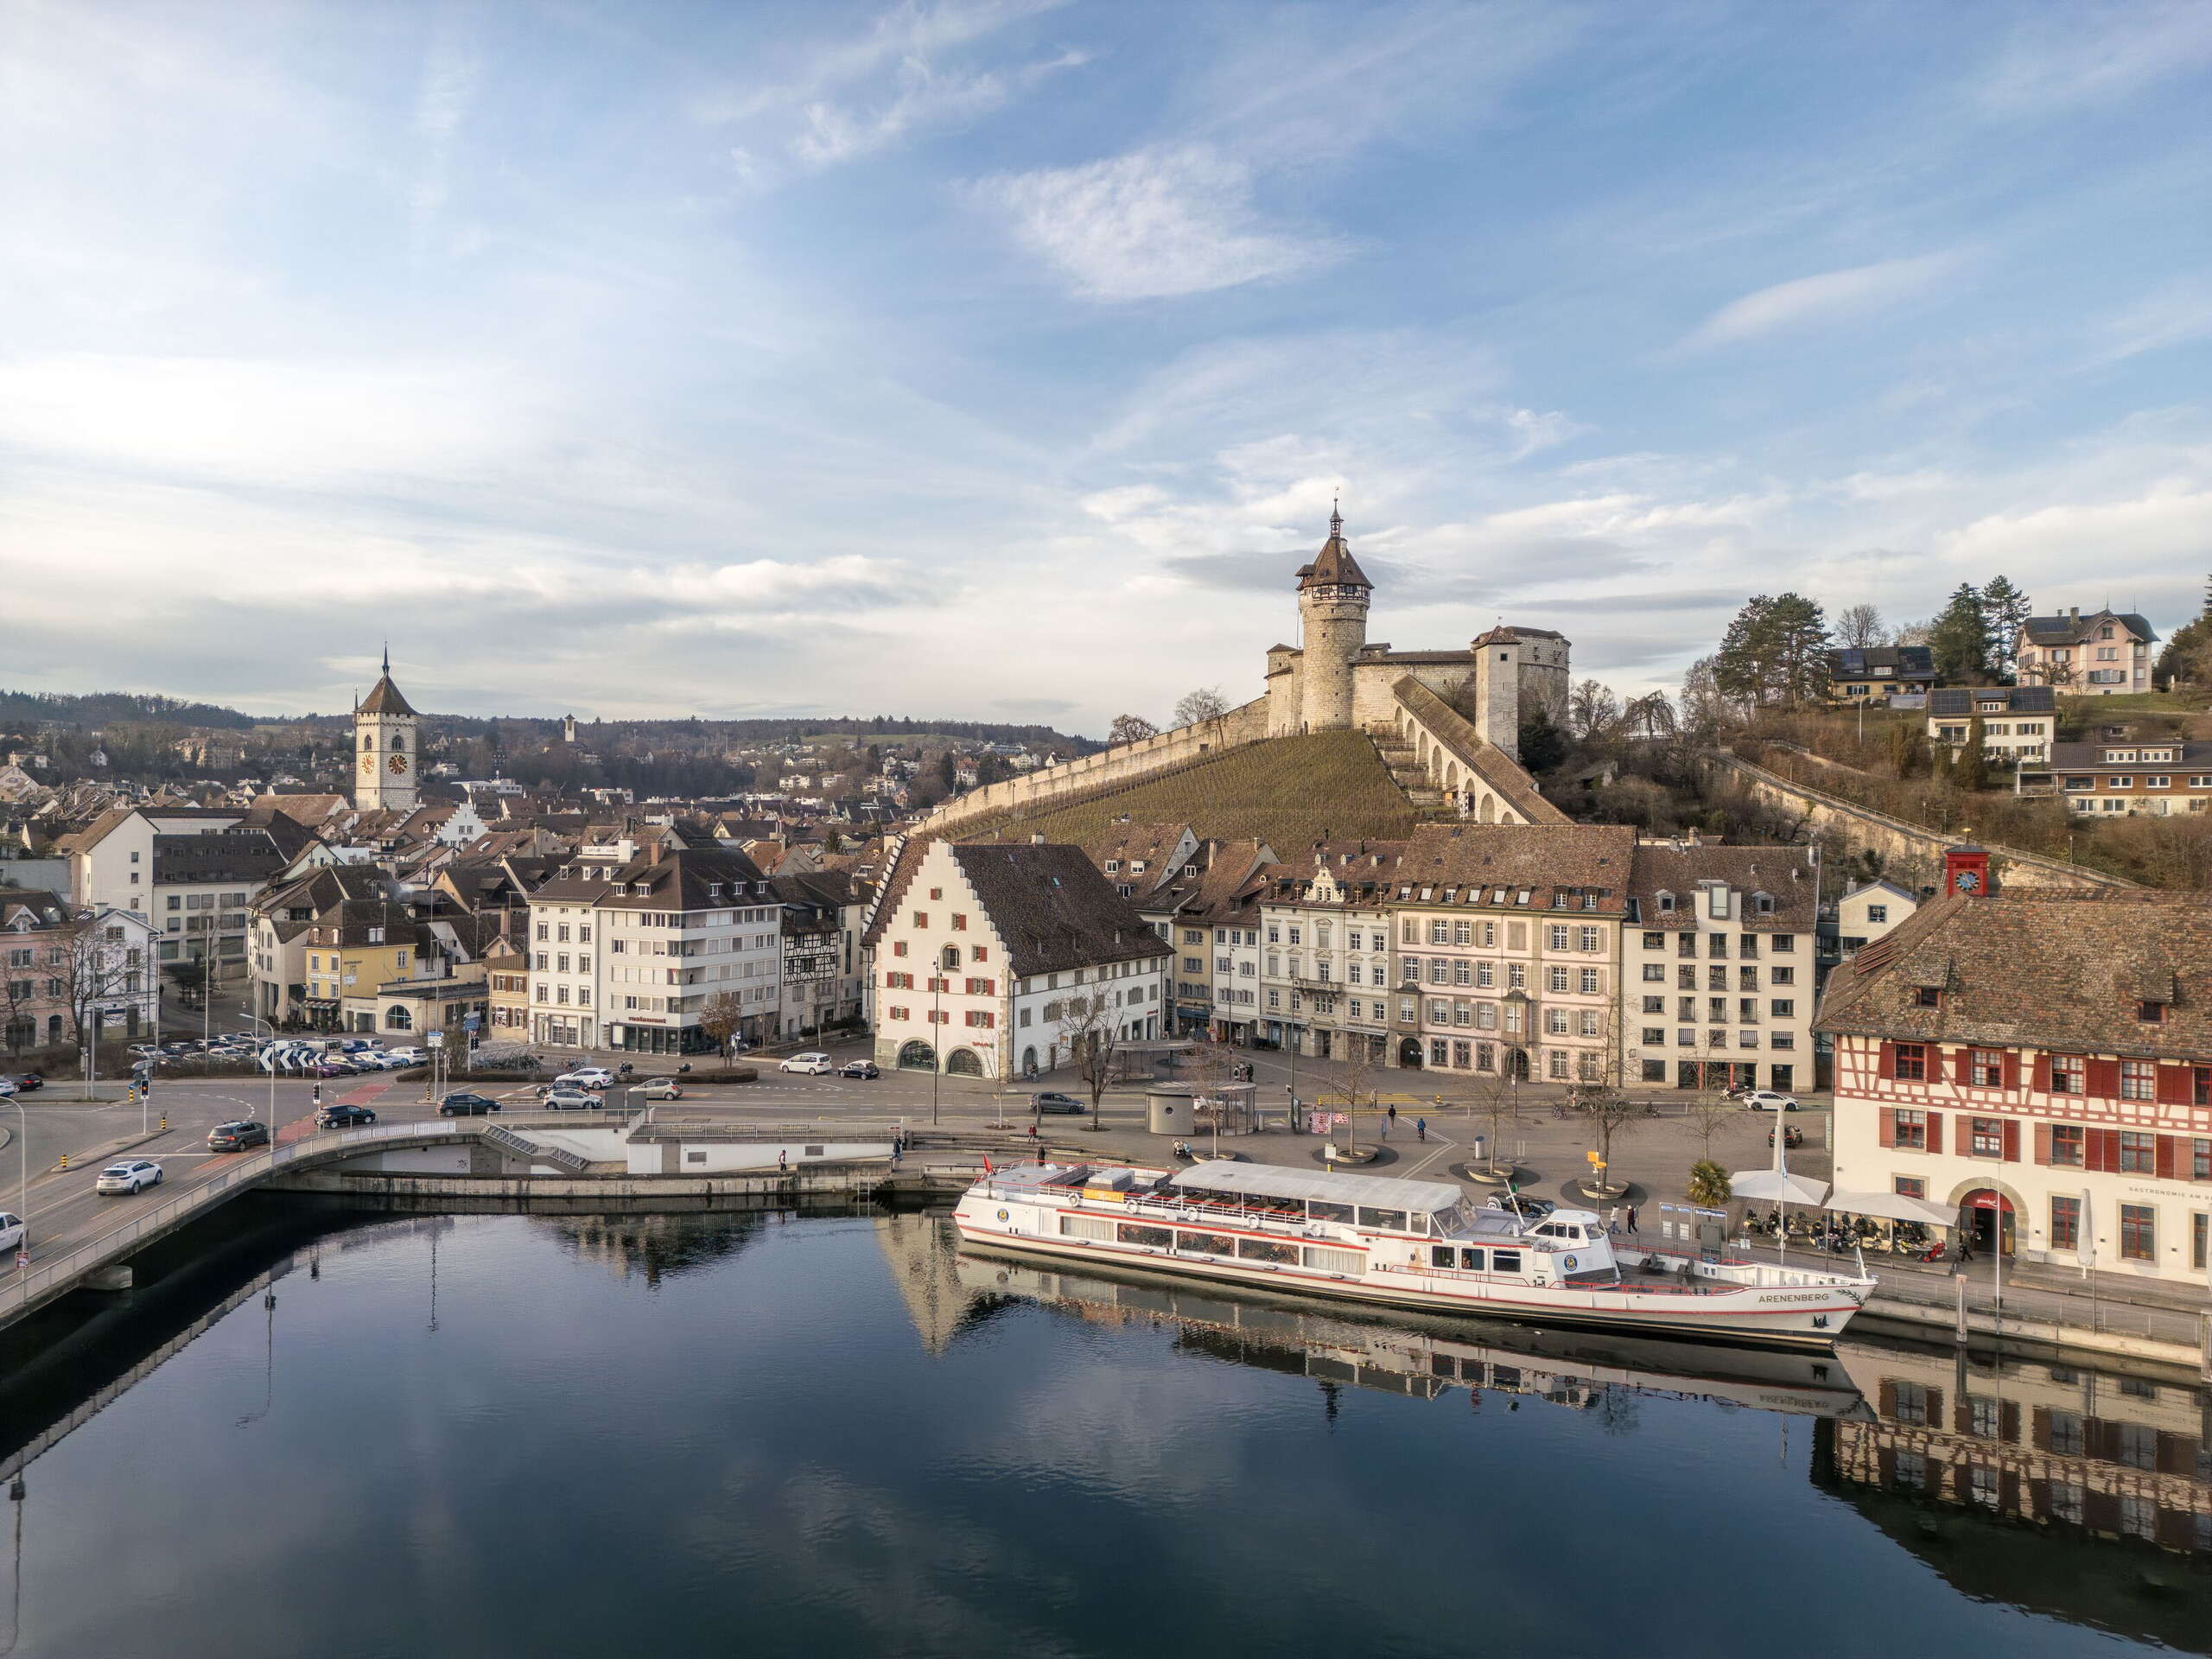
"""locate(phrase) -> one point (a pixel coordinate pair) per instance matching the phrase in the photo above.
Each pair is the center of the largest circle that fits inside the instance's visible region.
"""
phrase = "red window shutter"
(1886, 1392)
(2043, 1144)
(1889, 1059)
(2104, 1079)
(2042, 1083)
(2104, 1147)
(2040, 1428)
(2013, 1071)
(1889, 1121)
(2177, 1086)
(1935, 1407)
(1934, 1131)
(2011, 1140)
(2167, 1145)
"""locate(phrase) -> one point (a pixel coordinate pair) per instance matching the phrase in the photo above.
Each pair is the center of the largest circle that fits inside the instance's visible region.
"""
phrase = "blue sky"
(1000, 358)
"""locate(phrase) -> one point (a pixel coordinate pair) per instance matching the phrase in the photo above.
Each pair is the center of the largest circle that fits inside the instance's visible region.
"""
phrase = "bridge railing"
(36, 1284)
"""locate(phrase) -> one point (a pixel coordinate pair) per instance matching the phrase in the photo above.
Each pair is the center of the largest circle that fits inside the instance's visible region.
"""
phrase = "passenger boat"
(1396, 1244)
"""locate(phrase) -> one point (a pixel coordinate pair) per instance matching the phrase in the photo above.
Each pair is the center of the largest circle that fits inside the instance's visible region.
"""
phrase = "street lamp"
(271, 1070)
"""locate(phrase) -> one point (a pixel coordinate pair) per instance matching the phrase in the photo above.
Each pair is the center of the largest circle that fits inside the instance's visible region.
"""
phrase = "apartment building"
(191, 871)
(1718, 950)
(2121, 776)
(1881, 674)
(1509, 949)
(990, 959)
(62, 968)
(676, 931)
(1325, 981)
(822, 980)
(2017, 723)
(2040, 1063)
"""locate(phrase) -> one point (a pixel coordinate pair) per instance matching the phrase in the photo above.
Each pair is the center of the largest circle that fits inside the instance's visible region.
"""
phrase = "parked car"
(573, 1100)
(868, 1070)
(408, 1055)
(1529, 1204)
(1052, 1101)
(467, 1104)
(14, 1234)
(133, 1175)
(1791, 1135)
(237, 1137)
(662, 1089)
(1765, 1100)
(30, 1082)
(813, 1063)
(334, 1069)
(586, 1077)
(145, 1051)
(339, 1115)
(8, 1088)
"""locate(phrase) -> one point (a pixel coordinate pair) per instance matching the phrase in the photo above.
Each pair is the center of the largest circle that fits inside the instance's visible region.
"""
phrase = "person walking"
(783, 1159)
(1389, 1122)
(1631, 1220)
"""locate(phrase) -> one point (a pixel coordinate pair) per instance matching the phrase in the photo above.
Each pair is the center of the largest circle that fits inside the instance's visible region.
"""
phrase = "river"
(835, 1435)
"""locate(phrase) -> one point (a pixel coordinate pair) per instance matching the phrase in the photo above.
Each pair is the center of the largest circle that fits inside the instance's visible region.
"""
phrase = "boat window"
(1267, 1249)
(1320, 1212)
(1157, 1238)
(1388, 1220)
(1472, 1261)
(1505, 1261)
(1330, 1261)
(1417, 1221)
(1441, 1255)
(1086, 1227)
(1206, 1243)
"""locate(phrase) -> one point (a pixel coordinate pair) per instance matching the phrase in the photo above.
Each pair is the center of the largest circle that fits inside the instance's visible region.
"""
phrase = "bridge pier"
(116, 1277)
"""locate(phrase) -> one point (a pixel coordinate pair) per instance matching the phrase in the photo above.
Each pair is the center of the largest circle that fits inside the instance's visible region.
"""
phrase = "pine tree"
(1958, 639)
(2004, 610)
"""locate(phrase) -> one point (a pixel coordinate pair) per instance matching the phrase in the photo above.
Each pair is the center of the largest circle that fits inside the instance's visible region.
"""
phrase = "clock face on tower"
(1966, 880)
(397, 763)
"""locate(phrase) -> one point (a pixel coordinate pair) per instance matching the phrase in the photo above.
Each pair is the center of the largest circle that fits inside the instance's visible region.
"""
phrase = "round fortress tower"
(1333, 595)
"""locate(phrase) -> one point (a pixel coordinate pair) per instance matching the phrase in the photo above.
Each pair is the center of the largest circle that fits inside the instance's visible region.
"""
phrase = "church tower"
(1332, 594)
(387, 747)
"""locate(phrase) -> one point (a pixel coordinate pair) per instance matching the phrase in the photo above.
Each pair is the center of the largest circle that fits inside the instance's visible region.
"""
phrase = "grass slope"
(1290, 791)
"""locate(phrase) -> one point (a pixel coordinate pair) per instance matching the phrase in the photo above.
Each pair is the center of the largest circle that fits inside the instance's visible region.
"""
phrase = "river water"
(834, 1434)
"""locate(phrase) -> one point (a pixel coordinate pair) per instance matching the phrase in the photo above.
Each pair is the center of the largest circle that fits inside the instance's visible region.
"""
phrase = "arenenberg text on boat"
(1371, 1238)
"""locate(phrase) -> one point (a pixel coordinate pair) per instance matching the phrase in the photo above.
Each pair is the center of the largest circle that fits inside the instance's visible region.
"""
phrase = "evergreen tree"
(1772, 651)
(1959, 638)
(2005, 611)
(1967, 769)
(1543, 745)
(2188, 653)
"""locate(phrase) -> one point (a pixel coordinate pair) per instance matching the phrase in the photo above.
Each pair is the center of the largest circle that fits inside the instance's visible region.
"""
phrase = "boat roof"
(1271, 1181)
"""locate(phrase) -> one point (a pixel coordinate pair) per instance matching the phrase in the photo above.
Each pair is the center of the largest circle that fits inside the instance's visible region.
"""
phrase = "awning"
(1776, 1186)
(1891, 1206)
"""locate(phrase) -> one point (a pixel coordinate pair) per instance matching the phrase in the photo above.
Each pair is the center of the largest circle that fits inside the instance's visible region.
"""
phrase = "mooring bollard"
(65, 1160)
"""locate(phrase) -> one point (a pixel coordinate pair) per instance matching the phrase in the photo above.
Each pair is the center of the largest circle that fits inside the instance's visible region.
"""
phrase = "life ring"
(1570, 1260)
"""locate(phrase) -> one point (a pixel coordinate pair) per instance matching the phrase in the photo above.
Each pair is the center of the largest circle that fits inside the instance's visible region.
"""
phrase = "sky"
(1000, 360)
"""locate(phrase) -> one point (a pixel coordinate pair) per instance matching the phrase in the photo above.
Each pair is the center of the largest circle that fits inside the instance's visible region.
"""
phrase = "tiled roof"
(2070, 629)
(2017, 699)
(1906, 662)
(1053, 908)
(1786, 874)
(1580, 857)
(383, 698)
(2046, 970)
(2085, 757)
(1333, 566)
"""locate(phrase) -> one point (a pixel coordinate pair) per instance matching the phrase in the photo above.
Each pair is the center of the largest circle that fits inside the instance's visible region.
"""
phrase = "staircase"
(561, 1157)
(1404, 764)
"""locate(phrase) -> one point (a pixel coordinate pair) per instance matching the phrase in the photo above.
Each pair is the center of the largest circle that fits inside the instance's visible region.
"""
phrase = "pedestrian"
(782, 1159)
(1612, 1227)
(1966, 1250)
(1389, 1122)
(1421, 1129)
(1631, 1219)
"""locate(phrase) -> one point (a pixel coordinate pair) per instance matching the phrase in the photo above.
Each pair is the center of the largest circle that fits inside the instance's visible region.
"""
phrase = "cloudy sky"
(1000, 358)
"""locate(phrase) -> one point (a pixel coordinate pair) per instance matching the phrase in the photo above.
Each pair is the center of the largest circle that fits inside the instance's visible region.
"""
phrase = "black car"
(1791, 1135)
(28, 1081)
(1052, 1102)
(867, 1069)
(466, 1104)
(342, 1116)
(237, 1137)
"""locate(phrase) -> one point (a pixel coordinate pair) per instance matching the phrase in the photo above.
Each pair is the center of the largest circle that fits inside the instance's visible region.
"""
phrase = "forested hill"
(113, 708)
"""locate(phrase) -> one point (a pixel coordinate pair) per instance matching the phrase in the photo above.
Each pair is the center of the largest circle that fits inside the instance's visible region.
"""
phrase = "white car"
(132, 1175)
(1765, 1100)
(14, 1234)
(408, 1055)
(572, 1100)
(662, 1089)
(8, 1089)
(586, 1077)
(814, 1062)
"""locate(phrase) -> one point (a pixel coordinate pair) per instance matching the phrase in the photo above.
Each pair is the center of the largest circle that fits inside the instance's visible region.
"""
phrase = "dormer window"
(1926, 996)
(1763, 903)
(1113, 867)
(1666, 903)
(2151, 1012)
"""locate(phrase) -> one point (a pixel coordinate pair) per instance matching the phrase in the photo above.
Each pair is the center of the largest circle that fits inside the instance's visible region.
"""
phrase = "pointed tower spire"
(1336, 519)
(387, 659)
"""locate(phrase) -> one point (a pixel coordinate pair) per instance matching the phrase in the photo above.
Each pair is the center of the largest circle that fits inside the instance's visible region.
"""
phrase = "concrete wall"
(417, 1160)
(1900, 843)
(1073, 779)
(726, 1157)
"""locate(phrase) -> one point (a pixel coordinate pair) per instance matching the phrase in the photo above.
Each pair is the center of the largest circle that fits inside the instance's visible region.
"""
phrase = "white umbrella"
(1891, 1206)
(1779, 1186)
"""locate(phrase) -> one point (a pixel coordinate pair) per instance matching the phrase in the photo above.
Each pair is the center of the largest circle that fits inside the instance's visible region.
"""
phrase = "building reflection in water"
(2081, 1493)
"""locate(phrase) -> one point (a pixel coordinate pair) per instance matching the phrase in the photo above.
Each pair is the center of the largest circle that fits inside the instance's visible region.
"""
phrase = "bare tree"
(1709, 1113)
(721, 1018)
(1592, 709)
(1495, 1101)
(1360, 1080)
(1092, 1033)
(1205, 703)
(98, 966)
(1913, 633)
(1130, 729)
(1603, 1102)
(1859, 626)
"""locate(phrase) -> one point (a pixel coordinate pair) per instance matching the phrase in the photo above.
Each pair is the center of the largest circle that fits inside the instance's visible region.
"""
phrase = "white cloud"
(1824, 298)
(2177, 314)
(2078, 56)
(1152, 224)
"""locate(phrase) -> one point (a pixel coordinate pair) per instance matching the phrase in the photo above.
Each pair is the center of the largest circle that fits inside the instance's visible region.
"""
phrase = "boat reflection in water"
(1424, 1357)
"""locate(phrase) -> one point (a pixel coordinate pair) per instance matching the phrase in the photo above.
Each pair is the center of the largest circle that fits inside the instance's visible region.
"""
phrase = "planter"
(1492, 1176)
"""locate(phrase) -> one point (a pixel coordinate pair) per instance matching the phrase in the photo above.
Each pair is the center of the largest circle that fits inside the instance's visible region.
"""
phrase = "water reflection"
(2077, 1492)
(1406, 1354)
